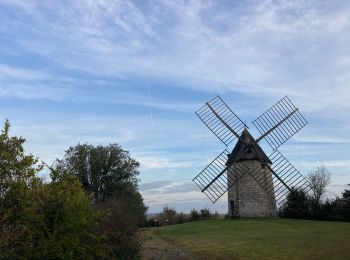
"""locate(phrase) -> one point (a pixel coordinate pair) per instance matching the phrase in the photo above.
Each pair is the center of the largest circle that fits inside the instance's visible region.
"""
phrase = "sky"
(134, 73)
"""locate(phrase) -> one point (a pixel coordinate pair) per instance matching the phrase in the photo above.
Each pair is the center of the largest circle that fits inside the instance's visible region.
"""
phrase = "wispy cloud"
(205, 44)
(157, 162)
(183, 195)
(135, 72)
(20, 73)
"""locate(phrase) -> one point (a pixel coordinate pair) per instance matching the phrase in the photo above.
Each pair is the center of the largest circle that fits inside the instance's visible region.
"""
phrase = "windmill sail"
(215, 175)
(279, 123)
(285, 178)
(276, 126)
(221, 120)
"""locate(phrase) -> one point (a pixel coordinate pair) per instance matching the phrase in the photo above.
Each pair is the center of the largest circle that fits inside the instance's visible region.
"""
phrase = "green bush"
(64, 219)
(205, 213)
(194, 214)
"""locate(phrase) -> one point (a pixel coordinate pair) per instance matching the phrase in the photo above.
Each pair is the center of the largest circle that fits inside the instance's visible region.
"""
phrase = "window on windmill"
(263, 165)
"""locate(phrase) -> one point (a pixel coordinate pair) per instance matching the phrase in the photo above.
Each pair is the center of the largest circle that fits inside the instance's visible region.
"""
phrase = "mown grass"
(261, 239)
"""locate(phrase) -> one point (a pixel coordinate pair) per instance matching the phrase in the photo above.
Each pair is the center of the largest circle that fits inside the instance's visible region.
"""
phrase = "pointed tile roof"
(251, 154)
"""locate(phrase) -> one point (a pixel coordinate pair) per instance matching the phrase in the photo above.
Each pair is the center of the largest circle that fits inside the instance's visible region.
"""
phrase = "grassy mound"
(261, 239)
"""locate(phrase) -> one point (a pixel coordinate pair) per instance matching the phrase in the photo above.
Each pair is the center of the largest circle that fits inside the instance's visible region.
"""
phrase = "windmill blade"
(279, 123)
(285, 177)
(221, 120)
(214, 181)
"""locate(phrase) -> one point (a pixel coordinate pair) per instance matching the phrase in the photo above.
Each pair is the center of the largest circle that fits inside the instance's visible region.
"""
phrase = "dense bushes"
(301, 205)
(60, 221)
(169, 216)
(73, 216)
(110, 175)
(314, 204)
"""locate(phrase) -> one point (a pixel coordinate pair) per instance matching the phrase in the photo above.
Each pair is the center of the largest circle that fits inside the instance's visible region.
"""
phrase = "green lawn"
(260, 239)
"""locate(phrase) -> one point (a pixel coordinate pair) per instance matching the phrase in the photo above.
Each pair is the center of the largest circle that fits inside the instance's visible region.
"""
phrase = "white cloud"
(20, 73)
(183, 195)
(263, 49)
(205, 45)
(158, 162)
(317, 138)
(332, 164)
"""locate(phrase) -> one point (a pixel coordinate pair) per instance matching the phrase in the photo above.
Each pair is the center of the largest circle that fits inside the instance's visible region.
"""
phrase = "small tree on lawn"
(194, 214)
(297, 205)
(319, 180)
(168, 216)
(205, 213)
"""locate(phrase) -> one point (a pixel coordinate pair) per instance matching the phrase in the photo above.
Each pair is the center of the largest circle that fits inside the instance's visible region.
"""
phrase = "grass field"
(260, 239)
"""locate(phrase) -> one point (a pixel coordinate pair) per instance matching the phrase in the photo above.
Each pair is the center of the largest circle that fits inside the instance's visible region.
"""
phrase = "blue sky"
(134, 72)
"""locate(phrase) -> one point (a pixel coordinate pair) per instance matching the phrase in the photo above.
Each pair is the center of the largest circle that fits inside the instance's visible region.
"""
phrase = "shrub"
(168, 216)
(297, 206)
(205, 213)
(194, 215)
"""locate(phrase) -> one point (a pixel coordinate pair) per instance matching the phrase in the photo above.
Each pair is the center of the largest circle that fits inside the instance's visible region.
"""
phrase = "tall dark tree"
(15, 165)
(297, 205)
(343, 205)
(110, 174)
(17, 174)
(102, 170)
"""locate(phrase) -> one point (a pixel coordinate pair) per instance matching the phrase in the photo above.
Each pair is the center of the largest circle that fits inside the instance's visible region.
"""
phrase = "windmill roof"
(252, 154)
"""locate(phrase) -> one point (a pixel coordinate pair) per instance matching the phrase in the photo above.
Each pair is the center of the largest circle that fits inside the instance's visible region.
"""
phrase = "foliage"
(297, 205)
(341, 206)
(110, 174)
(318, 180)
(168, 216)
(59, 219)
(205, 213)
(103, 170)
(180, 218)
(42, 220)
(194, 214)
(313, 205)
(119, 228)
(17, 175)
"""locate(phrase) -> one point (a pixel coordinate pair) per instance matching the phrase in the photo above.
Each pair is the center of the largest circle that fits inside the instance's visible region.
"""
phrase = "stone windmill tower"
(256, 183)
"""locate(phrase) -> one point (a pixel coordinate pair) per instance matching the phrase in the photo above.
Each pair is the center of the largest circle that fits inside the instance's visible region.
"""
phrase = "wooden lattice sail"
(256, 183)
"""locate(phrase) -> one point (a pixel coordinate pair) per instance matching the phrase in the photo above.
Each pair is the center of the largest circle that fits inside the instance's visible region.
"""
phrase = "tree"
(319, 180)
(107, 172)
(343, 205)
(110, 175)
(205, 213)
(15, 165)
(120, 230)
(42, 220)
(17, 174)
(297, 205)
(62, 221)
(168, 216)
(102, 170)
(180, 218)
(194, 214)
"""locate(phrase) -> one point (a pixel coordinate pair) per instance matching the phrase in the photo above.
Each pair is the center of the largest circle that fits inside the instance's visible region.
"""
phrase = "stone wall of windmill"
(248, 198)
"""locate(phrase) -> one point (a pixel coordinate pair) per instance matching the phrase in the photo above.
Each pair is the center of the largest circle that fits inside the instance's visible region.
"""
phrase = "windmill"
(256, 183)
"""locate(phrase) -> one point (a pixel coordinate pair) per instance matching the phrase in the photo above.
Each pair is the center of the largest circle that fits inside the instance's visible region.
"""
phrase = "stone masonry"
(248, 198)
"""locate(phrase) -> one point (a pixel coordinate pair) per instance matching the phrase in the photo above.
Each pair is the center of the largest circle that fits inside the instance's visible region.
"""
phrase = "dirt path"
(155, 247)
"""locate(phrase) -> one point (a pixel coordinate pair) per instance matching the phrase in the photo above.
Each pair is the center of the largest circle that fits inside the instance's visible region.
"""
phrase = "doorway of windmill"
(232, 208)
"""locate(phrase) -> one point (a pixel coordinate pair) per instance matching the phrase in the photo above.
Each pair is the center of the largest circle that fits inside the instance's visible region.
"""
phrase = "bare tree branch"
(319, 180)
